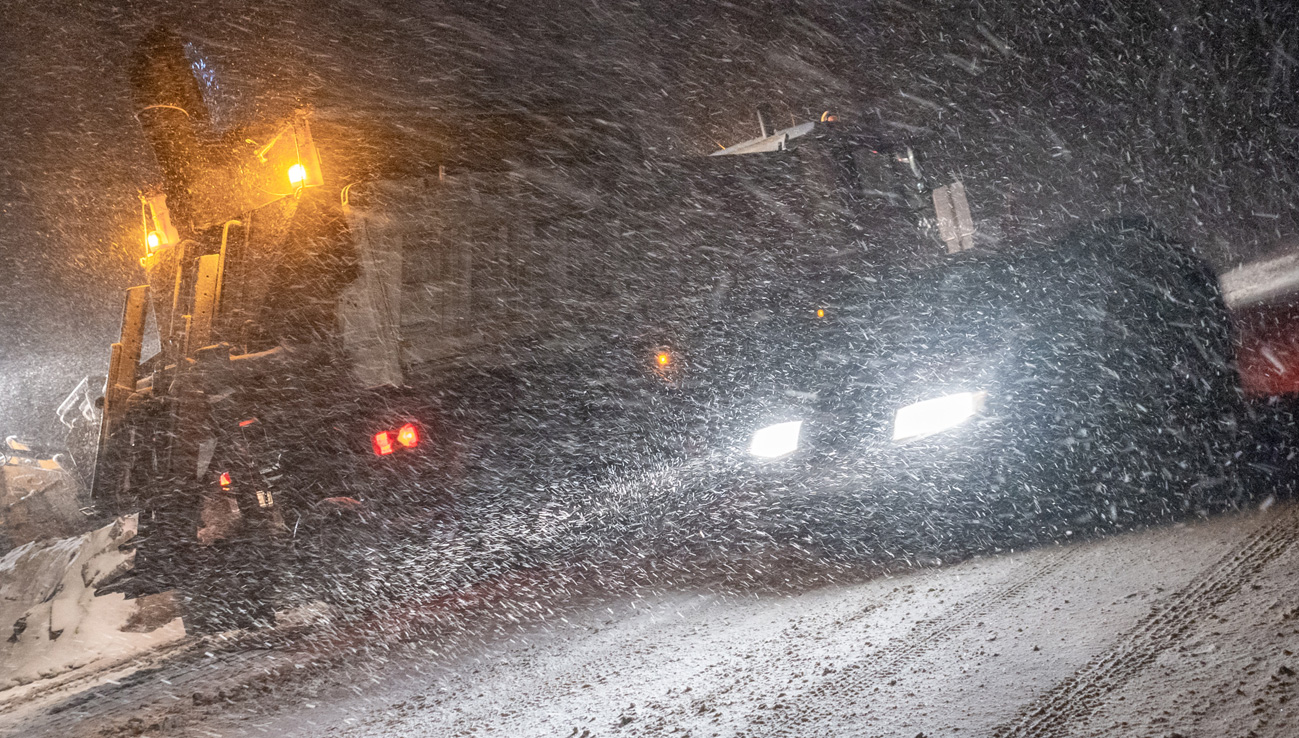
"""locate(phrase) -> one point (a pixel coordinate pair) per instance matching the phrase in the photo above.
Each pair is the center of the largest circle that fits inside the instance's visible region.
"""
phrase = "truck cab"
(351, 358)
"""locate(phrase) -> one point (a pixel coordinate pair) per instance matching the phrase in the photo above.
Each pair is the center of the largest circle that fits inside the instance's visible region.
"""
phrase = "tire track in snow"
(24, 696)
(923, 638)
(1075, 699)
(928, 634)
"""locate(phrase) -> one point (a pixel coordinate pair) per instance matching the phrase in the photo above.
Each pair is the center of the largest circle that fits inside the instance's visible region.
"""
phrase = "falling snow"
(683, 368)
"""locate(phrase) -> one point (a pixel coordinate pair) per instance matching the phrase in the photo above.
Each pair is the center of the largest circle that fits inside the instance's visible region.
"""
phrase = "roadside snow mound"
(50, 619)
(38, 499)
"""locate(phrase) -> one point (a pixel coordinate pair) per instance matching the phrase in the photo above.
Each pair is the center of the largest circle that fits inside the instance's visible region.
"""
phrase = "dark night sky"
(1051, 112)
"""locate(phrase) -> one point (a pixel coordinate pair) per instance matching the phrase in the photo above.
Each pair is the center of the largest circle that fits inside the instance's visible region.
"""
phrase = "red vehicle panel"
(1267, 352)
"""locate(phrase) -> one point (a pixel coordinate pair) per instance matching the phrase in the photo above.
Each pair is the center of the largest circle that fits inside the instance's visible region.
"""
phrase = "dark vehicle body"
(542, 313)
(1102, 395)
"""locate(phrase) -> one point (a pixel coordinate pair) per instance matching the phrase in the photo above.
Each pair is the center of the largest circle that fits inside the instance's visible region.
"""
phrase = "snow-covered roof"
(774, 142)
(1260, 281)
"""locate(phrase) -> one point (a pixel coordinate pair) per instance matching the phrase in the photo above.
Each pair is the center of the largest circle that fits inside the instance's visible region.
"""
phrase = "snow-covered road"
(1187, 630)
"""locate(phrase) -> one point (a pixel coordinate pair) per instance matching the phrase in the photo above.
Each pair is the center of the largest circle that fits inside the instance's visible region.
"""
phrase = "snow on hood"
(50, 619)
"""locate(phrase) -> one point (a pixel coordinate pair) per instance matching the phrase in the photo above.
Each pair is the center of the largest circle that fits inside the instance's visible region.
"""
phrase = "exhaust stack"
(176, 122)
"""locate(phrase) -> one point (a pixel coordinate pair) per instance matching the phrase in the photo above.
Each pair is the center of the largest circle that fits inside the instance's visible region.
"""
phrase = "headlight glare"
(937, 415)
(776, 440)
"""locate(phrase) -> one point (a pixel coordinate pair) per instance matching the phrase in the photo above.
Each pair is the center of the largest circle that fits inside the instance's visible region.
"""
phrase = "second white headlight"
(936, 415)
(776, 440)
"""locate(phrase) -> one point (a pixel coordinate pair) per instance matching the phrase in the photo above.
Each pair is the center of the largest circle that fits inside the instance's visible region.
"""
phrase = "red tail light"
(408, 436)
(224, 479)
(383, 443)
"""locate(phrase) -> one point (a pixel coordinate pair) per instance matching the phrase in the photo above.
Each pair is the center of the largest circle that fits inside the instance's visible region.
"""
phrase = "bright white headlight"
(776, 440)
(936, 415)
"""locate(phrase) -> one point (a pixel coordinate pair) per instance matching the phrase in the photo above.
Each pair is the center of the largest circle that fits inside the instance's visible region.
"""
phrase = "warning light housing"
(292, 153)
(224, 479)
(158, 230)
(383, 443)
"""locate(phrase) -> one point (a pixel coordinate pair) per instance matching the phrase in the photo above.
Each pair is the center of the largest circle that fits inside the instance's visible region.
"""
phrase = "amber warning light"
(158, 230)
(408, 436)
(292, 154)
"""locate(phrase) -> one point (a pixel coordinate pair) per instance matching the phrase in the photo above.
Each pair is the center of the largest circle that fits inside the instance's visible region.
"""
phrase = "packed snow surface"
(1186, 630)
(53, 622)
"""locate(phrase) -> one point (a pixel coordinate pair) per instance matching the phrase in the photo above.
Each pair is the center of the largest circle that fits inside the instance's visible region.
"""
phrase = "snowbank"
(52, 622)
(38, 499)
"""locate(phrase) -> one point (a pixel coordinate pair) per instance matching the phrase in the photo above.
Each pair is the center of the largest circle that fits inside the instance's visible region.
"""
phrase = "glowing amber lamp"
(664, 358)
(153, 240)
(820, 312)
(297, 175)
(224, 480)
(408, 435)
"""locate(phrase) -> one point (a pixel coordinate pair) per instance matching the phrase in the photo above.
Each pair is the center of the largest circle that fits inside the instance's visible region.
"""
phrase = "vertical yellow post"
(110, 389)
(205, 303)
(123, 365)
(171, 341)
(137, 305)
(124, 362)
(221, 264)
